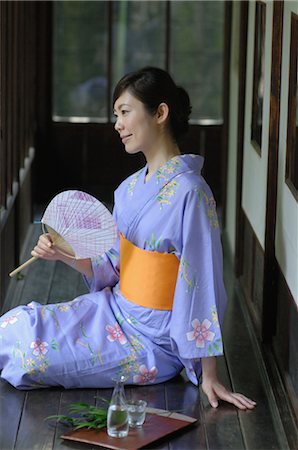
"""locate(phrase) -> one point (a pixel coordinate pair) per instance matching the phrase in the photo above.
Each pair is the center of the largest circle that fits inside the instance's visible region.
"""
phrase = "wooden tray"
(158, 424)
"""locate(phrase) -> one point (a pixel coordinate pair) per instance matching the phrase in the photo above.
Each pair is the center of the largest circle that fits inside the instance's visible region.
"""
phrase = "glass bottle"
(117, 421)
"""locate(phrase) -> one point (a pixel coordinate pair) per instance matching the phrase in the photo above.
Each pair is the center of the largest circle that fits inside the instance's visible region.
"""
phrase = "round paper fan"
(80, 226)
(82, 221)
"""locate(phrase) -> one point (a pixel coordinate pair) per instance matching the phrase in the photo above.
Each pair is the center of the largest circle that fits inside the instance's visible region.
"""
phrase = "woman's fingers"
(247, 402)
(43, 249)
(239, 400)
(219, 392)
(211, 395)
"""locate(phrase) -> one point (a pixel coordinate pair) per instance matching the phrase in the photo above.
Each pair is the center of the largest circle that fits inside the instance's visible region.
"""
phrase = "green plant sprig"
(83, 415)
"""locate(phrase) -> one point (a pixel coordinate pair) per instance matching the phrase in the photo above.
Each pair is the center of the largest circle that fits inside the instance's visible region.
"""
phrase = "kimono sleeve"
(105, 267)
(200, 296)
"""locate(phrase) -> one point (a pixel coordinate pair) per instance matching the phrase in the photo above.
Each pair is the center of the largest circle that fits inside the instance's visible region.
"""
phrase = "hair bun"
(180, 114)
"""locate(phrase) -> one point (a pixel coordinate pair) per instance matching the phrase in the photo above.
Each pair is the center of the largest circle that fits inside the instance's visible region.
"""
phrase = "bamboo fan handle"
(22, 266)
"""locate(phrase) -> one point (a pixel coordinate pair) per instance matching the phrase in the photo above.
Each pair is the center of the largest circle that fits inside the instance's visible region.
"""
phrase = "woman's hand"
(215, 391)
(45, 249)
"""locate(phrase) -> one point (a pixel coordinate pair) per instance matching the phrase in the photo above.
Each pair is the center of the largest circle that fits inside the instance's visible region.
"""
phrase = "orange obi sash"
(147, 278)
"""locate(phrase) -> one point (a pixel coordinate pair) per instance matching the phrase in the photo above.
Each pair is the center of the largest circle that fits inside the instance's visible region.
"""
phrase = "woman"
(165, 311)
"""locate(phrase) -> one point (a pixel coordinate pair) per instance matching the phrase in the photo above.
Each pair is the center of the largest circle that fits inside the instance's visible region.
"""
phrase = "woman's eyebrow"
(120, 106)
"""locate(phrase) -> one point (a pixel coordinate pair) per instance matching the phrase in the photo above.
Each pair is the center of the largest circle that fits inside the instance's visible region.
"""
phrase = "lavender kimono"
(95, 338)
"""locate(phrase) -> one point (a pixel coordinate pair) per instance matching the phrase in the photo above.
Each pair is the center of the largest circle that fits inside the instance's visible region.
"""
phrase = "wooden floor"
(22, 424)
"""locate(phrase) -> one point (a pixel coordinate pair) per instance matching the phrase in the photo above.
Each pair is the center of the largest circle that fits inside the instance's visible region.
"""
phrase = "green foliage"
(83, 415)
(139, 29)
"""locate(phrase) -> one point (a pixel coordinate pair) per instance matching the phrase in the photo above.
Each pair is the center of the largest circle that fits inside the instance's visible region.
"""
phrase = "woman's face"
(138, 129)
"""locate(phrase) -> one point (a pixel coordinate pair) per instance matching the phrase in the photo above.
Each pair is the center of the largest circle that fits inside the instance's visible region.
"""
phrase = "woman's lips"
(125, 138)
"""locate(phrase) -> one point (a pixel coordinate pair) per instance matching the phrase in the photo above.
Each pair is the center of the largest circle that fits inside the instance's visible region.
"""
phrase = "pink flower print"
(145, 376)
(116, 334)
(39, 347)
(200, 333)
(9, 321)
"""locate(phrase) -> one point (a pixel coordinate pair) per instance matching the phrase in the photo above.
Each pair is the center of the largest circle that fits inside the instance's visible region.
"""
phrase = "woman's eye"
(124, 111)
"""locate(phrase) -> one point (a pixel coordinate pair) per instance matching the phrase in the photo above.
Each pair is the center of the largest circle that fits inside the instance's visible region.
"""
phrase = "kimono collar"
(175, 166)
(139, 193)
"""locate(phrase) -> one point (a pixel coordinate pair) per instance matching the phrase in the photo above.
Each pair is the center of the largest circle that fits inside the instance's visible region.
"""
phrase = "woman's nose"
(118, 125)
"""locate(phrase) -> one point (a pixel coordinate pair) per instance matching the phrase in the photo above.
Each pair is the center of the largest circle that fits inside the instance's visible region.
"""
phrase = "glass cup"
(117, 421)
(136, 412)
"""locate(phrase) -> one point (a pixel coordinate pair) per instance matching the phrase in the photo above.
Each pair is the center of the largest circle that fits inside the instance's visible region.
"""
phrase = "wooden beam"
(270, 265)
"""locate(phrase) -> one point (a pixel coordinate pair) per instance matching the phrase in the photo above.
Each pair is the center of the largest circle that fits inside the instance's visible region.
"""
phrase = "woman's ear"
(162, 113)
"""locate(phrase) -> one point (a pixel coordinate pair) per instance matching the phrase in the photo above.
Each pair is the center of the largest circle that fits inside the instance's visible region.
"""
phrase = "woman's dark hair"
(153, 86)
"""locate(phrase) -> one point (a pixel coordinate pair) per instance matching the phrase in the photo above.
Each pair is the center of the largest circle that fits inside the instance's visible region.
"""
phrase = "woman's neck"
(159, 158)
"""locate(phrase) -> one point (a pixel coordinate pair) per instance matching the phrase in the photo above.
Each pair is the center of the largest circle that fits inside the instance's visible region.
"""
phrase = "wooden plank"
(222, 424)
(155, 397)
(16, 284)
(35, 281)
(3, 103)
(42, 281)
(9, 91)
(11, 406)
(34, 432)
(269, 312)
(261, 428)
(38, 281)
(66, 284)
(7, 249)
(81, 286)
(68, 397)
(238, 261)
(184, 397)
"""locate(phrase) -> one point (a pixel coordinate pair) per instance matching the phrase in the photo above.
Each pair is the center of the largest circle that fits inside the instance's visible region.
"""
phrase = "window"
(80, 59)
(138, 36)
(196, 54)
(292, 134)
(95, 43)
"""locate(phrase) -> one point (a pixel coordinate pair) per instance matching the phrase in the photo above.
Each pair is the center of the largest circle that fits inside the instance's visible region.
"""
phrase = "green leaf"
(61, 418)
(210, 351)
(87, 416)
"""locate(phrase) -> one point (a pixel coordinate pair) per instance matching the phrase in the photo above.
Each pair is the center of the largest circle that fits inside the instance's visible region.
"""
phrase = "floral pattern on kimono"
(92, 340)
